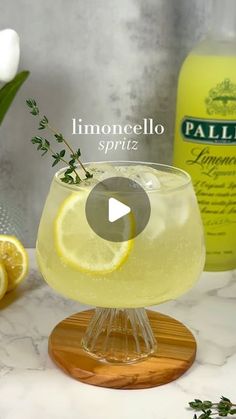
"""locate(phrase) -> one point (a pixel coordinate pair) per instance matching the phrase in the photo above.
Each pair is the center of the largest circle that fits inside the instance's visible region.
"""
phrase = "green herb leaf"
(36, 140)
(69, 171)
(43, 123)
(68, 179)
(56, 161)
(209, 409)
(45, 151)
(33, 106)
(224, 399)
(76, 155)
(59, 138)
(72, 162)
(57, 158)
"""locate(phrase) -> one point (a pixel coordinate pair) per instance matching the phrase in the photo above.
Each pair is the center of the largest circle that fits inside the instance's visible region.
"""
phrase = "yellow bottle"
(205, 133)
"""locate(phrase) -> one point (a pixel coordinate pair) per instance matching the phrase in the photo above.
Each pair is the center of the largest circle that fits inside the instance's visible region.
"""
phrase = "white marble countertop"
(31, 387)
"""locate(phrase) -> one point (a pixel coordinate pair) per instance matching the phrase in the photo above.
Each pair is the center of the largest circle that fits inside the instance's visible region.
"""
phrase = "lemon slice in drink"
(79, 246)
(15, 259)
(3, 280)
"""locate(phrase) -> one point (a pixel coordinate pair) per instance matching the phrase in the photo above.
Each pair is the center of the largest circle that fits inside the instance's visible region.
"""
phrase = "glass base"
(119, 335)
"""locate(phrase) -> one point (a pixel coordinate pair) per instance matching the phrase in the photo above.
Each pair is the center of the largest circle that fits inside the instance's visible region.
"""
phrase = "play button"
(117, 209)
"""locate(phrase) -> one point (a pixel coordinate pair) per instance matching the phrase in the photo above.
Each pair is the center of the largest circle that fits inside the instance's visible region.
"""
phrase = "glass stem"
(119, 335)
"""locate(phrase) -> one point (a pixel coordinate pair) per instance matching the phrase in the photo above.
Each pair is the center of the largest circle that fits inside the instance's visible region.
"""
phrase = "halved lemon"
(15, 260)
(79, 246)
(3, 280)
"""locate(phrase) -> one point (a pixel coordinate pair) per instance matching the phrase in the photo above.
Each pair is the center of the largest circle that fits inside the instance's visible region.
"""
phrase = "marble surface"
(103, 61)
(32, 387)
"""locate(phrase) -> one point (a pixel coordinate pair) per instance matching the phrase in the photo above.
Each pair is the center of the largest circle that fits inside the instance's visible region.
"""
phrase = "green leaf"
(9, 91)
(68, 179)
(55, 162)
(69, 171)
(36, 140)
(62, 153)
(43, 123)
(224, 399)
(207, 404)
(45, 151)
(59, 138)
(37, 137)
(31, 103)
(76, 155)
(34, 111)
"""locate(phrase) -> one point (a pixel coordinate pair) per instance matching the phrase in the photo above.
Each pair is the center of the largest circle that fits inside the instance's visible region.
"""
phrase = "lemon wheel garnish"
(79, 246)
(3, 280)
(15, 260)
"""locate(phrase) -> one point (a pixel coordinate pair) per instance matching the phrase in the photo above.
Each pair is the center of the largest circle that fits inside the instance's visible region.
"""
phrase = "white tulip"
(9, 54)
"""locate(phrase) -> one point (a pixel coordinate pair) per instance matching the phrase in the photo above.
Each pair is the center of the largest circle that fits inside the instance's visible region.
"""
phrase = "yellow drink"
(158, 265)
(205, 146)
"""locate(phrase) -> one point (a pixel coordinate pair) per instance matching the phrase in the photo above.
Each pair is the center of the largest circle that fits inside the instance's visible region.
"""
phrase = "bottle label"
(206, 148)
(208, 131)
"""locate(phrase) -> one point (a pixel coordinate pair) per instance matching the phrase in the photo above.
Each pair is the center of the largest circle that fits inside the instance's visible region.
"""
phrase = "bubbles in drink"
(160, 263)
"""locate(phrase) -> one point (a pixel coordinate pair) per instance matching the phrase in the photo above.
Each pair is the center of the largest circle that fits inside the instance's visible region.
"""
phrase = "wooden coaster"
(175, 354)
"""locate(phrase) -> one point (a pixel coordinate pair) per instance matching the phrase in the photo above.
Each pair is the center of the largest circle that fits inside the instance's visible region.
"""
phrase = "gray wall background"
(106, 61)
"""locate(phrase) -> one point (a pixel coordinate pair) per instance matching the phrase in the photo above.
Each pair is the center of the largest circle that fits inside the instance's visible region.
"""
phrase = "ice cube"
(147, 180)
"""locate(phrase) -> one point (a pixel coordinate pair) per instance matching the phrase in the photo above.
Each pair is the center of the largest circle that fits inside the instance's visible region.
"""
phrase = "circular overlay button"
(118, 209)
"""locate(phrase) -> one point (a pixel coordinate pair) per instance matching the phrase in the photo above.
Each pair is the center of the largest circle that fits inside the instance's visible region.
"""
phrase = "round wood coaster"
(175, 354)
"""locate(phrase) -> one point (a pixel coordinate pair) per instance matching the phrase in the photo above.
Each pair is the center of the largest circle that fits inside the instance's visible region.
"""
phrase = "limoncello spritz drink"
(158, 265)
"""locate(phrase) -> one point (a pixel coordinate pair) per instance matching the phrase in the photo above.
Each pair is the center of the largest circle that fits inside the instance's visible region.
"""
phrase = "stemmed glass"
(158, 265)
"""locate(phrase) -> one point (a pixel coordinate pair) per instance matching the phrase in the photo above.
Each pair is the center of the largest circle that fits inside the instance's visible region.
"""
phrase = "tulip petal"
(9, 54)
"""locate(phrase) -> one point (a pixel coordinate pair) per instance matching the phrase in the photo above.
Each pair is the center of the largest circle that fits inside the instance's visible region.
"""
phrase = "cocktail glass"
(158, 265)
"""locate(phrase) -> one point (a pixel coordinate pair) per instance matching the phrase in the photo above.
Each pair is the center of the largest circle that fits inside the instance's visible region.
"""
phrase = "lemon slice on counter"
(15, 260)
(79, 246)
(3, 280)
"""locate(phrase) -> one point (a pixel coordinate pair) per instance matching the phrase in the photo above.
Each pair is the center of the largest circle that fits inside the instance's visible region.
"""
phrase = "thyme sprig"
(208, 410)
(45, 146)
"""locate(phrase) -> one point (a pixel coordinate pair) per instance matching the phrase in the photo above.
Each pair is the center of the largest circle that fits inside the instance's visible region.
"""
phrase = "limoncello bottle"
(205, 133)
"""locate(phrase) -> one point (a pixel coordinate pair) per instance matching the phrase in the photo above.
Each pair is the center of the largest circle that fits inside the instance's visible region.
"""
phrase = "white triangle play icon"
(117, 209)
